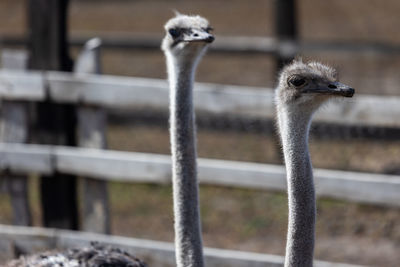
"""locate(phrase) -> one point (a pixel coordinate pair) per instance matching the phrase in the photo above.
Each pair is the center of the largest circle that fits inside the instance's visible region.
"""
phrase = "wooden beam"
(114, 165)
(154, 253)
(14, 128)
(55, 124)
(286, 31)
(22, 159)
(22, 85)
(223, 44)
(120, 166)
(92, 121)
(133, 93)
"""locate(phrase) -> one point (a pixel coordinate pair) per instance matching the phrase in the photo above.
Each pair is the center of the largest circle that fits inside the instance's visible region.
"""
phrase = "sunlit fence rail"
(154, 168)
(128, 93)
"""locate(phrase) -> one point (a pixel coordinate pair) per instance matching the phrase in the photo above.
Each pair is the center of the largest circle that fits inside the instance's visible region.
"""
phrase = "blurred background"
(359, 37)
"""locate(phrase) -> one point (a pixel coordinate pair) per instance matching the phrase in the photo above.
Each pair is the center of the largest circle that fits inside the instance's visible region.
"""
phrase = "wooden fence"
(93, 94)
(155, 253)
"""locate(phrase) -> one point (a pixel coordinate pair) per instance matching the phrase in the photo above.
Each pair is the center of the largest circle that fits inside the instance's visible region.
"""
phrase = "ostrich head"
(187, 37)
(308, 85)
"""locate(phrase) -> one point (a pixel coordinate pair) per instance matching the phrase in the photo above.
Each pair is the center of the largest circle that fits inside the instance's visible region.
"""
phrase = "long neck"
(188, 242)
(294, 129)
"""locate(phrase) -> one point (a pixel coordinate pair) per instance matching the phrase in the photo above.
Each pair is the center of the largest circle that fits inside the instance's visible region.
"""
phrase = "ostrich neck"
(188, 240)
(294, 128)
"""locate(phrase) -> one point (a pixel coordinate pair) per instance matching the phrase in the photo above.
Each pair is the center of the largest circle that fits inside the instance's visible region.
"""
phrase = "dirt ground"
(249, 219)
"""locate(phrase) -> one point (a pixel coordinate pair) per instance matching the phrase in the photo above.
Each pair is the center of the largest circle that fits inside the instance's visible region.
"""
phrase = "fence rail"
(155, 253)
(154, 168)
(223, 44)
(123, 92)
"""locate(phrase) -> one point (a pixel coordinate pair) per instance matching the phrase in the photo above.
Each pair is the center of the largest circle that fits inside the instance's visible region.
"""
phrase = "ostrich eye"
(208, 29)
(174, 32)
(297, 81)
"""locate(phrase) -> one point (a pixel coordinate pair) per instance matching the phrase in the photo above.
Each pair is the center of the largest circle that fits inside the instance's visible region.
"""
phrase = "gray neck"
(294, 128)
(188, 241)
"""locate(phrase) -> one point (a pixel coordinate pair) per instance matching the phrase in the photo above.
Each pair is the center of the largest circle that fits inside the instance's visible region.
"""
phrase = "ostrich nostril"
(195, 35)
(350, 92)
(210, 39)
(332, 86)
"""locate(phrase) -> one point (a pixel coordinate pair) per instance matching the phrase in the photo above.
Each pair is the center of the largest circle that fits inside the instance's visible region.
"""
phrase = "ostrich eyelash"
(175, 32)
(297, 81)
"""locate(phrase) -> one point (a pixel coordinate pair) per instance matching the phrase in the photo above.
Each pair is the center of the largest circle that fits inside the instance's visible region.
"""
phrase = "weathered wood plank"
(48, 48)
(153, 168)
(14, 125)
(107, 91)
(223, 44)
(22, 85)
(17, 187)
(114, 165)
(123, 92)
(155, 253)
(14, 59)
(22, 159)
(367, 110)
(286, 29)
(358, 187)
(14, 129)
(92, 134)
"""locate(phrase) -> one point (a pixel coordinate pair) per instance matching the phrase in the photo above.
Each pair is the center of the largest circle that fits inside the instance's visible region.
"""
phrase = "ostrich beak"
(199, 36)
(333, 88)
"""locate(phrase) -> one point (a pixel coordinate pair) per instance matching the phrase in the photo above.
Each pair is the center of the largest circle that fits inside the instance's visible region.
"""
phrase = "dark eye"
(297, 81)
(208, 29)
(174, 32)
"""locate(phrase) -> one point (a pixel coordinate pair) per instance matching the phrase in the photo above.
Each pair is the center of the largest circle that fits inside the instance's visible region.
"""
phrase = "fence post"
(55, 123)
(14, 129)
(286, 31)
(286, 34)
(92, 134)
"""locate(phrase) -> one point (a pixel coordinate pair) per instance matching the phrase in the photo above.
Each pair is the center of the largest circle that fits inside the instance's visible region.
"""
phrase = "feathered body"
(95, 255)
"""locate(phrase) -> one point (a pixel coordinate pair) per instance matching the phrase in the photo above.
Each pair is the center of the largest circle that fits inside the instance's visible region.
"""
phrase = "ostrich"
(94, 255)
(302, 88)
(186, 40)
